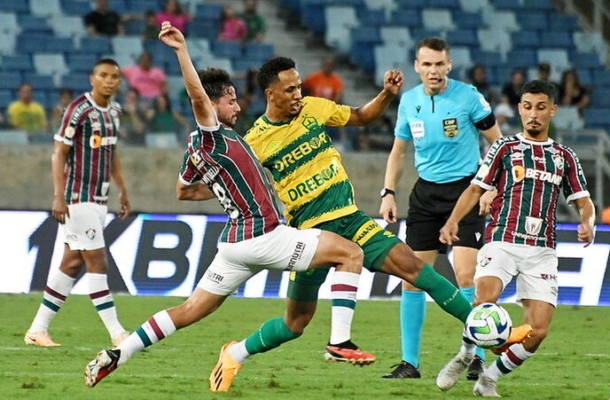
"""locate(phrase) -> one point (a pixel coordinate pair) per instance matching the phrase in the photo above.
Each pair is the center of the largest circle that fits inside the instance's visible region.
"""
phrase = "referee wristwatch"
(385, 191)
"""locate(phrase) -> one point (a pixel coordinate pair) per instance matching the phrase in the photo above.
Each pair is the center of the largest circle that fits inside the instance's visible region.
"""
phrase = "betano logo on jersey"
(312, 183)
(97, 141)
(301, 151)
(520, 173)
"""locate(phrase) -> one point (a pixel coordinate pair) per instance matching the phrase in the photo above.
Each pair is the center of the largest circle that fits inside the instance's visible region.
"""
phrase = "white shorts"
(285, 248)
(535, 269)
(84, 229)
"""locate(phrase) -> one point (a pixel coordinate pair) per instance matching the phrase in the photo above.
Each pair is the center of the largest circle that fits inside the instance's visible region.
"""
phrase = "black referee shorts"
(430, 205)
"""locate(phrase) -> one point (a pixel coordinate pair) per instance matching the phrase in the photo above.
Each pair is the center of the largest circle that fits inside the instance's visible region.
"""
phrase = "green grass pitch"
(573, 363)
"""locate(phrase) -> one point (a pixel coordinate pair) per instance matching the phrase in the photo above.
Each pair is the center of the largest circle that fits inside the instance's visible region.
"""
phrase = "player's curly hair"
(268, 74)
(215, 81)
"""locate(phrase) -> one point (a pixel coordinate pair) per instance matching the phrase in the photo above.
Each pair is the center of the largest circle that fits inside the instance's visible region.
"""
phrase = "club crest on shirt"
(558, 160)
(450, 127)
(90, 233)
(309, 122)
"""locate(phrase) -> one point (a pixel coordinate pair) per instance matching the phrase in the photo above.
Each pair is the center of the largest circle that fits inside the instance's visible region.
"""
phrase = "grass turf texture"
(571, 364)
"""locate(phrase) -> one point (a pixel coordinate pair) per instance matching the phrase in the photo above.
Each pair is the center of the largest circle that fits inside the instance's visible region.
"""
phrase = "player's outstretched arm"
(369, 112)
(202, 106)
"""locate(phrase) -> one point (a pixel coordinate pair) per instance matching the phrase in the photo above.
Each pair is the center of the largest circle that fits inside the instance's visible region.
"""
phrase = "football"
(488, 325)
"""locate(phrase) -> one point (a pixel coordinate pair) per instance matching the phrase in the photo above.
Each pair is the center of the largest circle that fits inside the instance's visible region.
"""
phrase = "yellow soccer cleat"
(224, 371)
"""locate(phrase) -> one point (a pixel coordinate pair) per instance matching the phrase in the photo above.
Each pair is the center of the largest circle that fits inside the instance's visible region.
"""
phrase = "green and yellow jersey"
(307, 171)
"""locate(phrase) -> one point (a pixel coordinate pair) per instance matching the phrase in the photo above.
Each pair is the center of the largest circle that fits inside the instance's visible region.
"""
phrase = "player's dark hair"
(268, 74)
(434, 43)
(108, 61)
(215, 81)
(538, 86)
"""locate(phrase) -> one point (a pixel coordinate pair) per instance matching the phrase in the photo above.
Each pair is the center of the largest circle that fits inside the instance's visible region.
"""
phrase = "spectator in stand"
(504, 115)
(175, 14)
(324, 82)
(571, 92)
(66, 96)
(148, 80)
(103, 21)
(377, 136)
(133, 119)
(544, 75)
(150, 29)
(254, 22)
(161, 118)
(327, 84)
(25, 113)
(511, 91)
(231, 26)
(477, 77)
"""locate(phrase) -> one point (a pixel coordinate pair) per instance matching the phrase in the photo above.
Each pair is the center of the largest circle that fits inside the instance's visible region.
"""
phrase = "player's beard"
(534, 132)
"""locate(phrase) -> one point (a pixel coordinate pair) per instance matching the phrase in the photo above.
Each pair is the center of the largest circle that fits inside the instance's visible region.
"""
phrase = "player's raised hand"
(171, 36)
(392, 81)
(448, 233)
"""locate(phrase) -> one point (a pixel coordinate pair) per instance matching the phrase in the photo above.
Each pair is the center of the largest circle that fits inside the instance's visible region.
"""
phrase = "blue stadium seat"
(600, 98)
(596, 117)
(544, 5)
(6, 98)
(78, 82)
(77, 7)
(203, 28)
(139, 6)
(585, 75)
(15, 6)
(34, 24)
(419, 34)
(528, 39)
(506, 4)
(373, 18)
(208, 11)
(410, 18)
(258, 52)
(227, 49)
(584, 60)
(81, 62)
(450, 4)
(39, 82)
(134, 27)
(364, 40)
(31, 43)
(522, 58)
(463, 37)
(564, 22)
(534, 20)
(487, 58)
(411, 4)
(313, 17)
(601, 77)
(556, 39)
(100, 45)
(10, 80)
(467, 20)
(18, 62)
(60, 45)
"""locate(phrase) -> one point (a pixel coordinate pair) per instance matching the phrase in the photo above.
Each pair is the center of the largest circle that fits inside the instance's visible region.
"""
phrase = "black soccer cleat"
(476, 368)
(404, 370)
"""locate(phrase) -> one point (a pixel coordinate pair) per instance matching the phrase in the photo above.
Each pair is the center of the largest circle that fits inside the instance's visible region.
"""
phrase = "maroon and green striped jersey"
(221, 159)
(92, 132)
(528, 176)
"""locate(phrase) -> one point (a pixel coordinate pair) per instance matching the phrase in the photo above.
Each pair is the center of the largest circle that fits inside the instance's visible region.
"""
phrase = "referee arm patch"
(486, 122)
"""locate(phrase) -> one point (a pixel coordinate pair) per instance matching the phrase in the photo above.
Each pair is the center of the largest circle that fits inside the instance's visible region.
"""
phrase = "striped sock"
(157, 328)
(55, 293)
(102, 300)
(343, 294)
(508, 361)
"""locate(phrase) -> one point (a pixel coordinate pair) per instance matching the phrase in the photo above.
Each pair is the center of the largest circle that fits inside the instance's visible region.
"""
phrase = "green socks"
(269, 336)
(443, 292)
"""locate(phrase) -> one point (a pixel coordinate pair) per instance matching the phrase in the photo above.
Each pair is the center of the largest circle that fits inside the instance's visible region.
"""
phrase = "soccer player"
(218, 163)
(84, 160)
(529, 171)
(290, 140)
(443, 118)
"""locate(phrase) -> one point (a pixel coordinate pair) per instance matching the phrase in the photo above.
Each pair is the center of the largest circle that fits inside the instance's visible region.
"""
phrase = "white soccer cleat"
(41, 339)
(101, 366)
(451, 372)
(485, 387)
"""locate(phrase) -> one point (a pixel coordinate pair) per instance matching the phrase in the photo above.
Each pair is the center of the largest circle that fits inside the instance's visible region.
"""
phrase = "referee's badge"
(450, 127)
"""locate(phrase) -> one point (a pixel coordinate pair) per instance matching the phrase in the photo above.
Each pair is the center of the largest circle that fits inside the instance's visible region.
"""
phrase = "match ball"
(488, 325)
